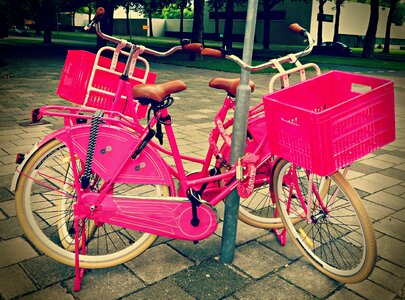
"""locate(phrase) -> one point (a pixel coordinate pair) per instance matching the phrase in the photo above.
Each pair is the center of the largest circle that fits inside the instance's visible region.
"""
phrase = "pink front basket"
(329, 121)
(76, 79)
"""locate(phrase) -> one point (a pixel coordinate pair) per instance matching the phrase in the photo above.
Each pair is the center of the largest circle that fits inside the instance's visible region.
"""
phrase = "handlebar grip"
(99, 14)
(193, 47)
(211, 52)
(295, 27)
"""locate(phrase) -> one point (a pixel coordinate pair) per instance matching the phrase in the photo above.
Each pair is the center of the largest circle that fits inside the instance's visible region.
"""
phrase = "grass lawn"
(395, 60)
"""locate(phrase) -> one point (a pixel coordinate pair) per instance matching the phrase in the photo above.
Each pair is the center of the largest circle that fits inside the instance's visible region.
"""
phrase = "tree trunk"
(89, 7)
(216, 23)
(393, 5)
(150, 24)
(337, 21)
(227, 40)
(198, 21)
(107, 22)
(181, 22)
(198, 26)
(266, 24)
(48, 16)
(127, 20)
(320, 22)
(369, 40)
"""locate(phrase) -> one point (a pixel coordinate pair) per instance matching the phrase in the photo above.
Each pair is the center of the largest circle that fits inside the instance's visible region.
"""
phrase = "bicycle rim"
(44, 203)
(259, 209)
(337, 238)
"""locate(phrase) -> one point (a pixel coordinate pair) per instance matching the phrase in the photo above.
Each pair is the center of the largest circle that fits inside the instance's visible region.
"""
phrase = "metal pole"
(239, 136)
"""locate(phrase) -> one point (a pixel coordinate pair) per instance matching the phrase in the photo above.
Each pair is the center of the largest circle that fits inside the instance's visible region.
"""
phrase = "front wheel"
(45, 196)
(334, 233)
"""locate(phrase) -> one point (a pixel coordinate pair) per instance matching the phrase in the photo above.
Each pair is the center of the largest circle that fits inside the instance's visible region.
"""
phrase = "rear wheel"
(336, 236)
(259, 209)
(45, 196)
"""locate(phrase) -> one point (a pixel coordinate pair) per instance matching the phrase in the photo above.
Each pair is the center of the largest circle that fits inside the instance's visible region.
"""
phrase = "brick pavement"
(173, 269)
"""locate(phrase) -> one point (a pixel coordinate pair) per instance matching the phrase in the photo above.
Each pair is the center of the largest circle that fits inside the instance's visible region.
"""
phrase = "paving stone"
(8, 207)
(391, 250)
(394, 173)
(289, 250)
(304, 275)
(387, 280)
(382, 179)
(257, 260)
(163, 290)
(391, 158)
(5, 194)
(8, 169)
(370, 290)
(52, 292)
(375, 162)
(375, 211)
(272, 287)
(344, 294)
(109, 283)
(15, 250)
(396, 190)
(244, 232)
(204, 249)
(400, 215)
(353, 174)
(14, 282)
(392, 227)
(210, 280)
(387, 200)
(10, 228)
(157, 263)
(46, 271)
(366, 185)
(5, 180)
(391, 268)
(363, 168)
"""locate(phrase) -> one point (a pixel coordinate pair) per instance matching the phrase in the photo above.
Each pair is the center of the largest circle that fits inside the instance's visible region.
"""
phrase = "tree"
(227, 40)
(215, 6)
(107, 22)
(182, 5)
(267, 7)
(399, 15)
(320, 20)
(390, 19)
(128, 6)
(88, 9)
(48, 13)
(198, 25)
(369, 40)
(148, 7)
(339, 4)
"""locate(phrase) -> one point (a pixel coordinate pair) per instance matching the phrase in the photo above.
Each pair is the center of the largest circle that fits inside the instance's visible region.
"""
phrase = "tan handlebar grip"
(99, 13)
(193, 47)
(295, 27)
(211, 52)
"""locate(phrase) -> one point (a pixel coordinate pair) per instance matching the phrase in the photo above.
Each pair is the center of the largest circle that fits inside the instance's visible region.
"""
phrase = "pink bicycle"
(99, 191)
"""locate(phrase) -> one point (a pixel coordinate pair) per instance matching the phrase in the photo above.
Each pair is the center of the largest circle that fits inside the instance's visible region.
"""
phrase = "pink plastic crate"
(75, 80)
(329, 121)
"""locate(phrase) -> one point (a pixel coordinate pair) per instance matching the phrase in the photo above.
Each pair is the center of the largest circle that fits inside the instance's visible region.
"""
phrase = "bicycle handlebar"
(200, 49)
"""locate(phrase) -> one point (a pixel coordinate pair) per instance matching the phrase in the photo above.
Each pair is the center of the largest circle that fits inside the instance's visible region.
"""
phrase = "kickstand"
(282, 236)
(79, 272)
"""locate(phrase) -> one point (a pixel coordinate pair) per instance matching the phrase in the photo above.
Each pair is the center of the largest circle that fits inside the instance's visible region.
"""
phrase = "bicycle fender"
(113, 146)
(28, 155)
